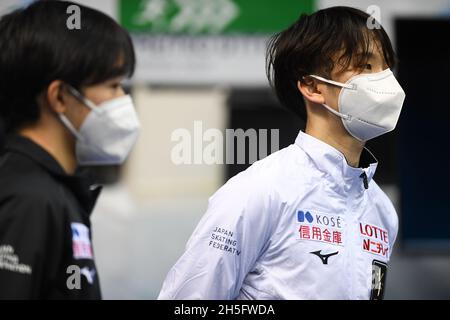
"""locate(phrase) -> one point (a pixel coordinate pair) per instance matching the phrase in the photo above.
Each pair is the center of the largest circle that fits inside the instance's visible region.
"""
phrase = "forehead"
(346, 60)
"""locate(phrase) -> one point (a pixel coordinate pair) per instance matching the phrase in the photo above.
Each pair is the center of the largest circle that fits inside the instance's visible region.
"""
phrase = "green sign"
(211, 16)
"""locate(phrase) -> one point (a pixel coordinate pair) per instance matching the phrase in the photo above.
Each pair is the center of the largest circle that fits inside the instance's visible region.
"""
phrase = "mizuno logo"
(89, 274)
(324, 257)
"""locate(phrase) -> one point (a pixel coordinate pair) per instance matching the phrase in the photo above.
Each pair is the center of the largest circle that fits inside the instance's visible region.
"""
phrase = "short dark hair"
(37, 47)
(311, 44)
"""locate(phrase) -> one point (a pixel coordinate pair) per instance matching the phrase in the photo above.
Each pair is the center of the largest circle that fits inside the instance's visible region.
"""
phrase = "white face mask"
(109, 132)
(369, 104)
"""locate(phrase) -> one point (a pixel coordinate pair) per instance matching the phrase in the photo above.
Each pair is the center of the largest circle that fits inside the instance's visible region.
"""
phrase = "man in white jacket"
(307, 222)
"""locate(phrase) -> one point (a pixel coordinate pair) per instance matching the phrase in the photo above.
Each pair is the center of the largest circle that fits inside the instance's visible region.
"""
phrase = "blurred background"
(201, 70)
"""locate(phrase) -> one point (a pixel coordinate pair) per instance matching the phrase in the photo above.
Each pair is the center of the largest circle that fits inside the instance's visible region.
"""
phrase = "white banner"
(201, 60)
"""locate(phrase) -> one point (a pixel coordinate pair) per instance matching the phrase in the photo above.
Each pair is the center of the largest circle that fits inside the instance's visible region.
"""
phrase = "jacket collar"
(331, 161)
(81, 184)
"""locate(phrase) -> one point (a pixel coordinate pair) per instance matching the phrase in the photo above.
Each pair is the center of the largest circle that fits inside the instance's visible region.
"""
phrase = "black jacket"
(45, 238)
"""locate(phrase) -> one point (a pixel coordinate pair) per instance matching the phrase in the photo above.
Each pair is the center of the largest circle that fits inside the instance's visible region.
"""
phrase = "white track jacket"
(299, 224)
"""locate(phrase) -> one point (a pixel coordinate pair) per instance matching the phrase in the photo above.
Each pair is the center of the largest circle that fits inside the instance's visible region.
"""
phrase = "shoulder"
(286, 163)
(27, 187)
(19, 171)
(30, 217)
(277, 174)
(267, 183)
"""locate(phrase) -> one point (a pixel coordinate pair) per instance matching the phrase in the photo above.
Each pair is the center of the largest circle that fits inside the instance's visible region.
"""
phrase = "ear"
(309, 89)
(57, 96)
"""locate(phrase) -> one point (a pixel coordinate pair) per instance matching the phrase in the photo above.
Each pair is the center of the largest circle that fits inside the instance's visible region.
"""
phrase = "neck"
(334, 134)
(58, 144)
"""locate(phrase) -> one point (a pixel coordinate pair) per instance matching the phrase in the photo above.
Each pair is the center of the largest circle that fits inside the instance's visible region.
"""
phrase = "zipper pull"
(364, 177)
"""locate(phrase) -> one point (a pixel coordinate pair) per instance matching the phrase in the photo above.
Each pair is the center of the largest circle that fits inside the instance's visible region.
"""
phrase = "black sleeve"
(31, 246)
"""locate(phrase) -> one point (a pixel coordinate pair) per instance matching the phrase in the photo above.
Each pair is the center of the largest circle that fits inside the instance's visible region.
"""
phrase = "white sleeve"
(225, 245)
(394, 231)
(392, 222)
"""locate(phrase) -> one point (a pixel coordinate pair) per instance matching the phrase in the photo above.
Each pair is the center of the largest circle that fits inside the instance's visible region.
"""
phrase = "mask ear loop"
(66, 122)
(339, 84)
(340, 115)
(84, 100)
(70, 126)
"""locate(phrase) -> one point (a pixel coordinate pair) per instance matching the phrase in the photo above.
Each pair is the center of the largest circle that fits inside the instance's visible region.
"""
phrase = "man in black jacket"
(62, 107)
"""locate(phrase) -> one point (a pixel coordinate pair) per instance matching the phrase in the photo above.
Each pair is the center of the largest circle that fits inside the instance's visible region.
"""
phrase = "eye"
(368, 66)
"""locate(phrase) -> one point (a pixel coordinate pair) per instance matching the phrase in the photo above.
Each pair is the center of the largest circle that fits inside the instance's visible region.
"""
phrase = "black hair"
(314, 44)
(37, 47)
